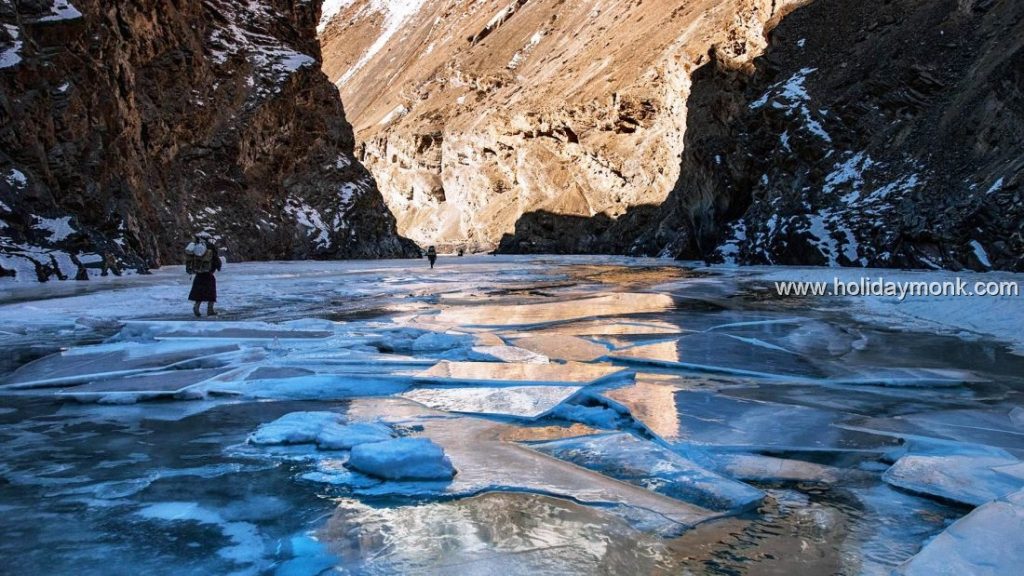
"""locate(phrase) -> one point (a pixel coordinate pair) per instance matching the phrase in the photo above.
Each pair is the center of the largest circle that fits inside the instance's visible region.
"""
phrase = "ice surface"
(642, 462)
(985, 542)
(563, 347)
(967, 478)
(402, 459)
(624, 303)
(499, 373)
(714, 352)
(788, 393)
(520, 401)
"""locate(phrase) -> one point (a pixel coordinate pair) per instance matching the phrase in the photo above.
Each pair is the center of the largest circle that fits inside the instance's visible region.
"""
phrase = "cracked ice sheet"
(986, 542)
(530, 402)
(486, 463)
(702, 418)
(500, 373)
(644, 463)
(713, 352)
(998, 427)
(111, 360)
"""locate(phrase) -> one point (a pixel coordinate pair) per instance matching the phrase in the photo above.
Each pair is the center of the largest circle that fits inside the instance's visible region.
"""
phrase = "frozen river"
(506, 415)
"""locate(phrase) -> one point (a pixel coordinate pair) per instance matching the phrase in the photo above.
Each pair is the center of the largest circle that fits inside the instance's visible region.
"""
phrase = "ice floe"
(402, 459)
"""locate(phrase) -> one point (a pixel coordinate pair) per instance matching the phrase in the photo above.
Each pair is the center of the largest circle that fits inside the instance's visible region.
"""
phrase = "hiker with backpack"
(203, 259)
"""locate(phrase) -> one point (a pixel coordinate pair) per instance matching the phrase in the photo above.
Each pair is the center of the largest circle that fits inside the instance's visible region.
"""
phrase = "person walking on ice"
(203, 259)
(432, 255)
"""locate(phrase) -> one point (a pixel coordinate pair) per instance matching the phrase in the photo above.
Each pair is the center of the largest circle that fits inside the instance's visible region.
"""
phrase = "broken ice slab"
(758, 468)
(562, 347)
(712, 352)
(113, 360)
(501, 373)
(315, 387)
(486, 463)
(295, 428)
(606, 327)
(617, 304)
(967, 478)
(998, 427)
(906, 377)
(986, 542)
(705, 418)
(148, 385)
(642, 462)
(529, 402)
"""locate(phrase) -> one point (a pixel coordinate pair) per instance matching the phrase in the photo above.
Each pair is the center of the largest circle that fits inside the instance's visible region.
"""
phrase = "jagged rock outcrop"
(473, 113)
(871, 133)
(127, 125)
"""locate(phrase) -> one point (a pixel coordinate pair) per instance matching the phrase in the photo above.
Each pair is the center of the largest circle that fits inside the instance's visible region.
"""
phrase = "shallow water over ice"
(603, 415)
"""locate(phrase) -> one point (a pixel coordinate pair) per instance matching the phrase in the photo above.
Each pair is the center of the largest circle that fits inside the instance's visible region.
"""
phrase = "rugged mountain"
(127, 125)
(472, 113)
(871, 133)
(842, 132)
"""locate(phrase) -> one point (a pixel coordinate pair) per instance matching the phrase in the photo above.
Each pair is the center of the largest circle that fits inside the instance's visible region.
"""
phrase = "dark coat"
(204, 286)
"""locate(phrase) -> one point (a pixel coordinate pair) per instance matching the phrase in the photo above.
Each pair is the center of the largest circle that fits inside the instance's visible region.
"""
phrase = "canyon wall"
(472, 113)
(871, 133)
(125, 126)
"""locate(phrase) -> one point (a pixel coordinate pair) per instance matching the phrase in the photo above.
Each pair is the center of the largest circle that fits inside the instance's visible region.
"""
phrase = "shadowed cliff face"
(127, 125)
(472, 113)
(870, 133)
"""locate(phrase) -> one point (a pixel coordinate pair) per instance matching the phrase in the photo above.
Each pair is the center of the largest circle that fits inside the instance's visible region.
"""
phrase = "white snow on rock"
(295, 428)
(61, 10)
(10, 56)
(402, 459)
(986, 542)
(395, 13)
(792, 96)
(58, 228)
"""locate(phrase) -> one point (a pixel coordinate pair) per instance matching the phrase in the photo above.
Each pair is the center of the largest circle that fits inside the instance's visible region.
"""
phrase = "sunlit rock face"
(127, 125)
(471, 114)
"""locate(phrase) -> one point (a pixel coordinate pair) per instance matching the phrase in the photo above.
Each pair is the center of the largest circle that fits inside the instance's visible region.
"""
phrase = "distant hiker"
(110, 264)
(462, 252)
(432, 255)
(203, 259)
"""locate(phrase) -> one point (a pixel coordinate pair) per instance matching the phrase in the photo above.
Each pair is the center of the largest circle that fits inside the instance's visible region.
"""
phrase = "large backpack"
(198, 258)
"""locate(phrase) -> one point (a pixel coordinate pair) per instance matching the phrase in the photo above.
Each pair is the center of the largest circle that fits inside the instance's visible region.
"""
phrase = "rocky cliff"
(472, 113)
(871, 133)
(841, 132)
(125, 126)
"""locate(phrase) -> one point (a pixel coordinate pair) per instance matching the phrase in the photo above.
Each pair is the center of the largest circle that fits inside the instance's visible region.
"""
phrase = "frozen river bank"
(600, 414)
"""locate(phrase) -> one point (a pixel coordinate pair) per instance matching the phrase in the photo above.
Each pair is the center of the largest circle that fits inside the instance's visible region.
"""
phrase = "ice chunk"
(521, 401)
(723, 353)
(402, 459)
(985, 542)
(440, 342)
(966, 478)
(335, 436)
(295, 428)
(506, 354)
(625, 457)
(500, 373)
(563, 347)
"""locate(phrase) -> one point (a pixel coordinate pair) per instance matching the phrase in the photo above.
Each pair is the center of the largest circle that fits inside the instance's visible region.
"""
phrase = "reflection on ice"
(617, 304)
(499, 373)
(520, 401)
